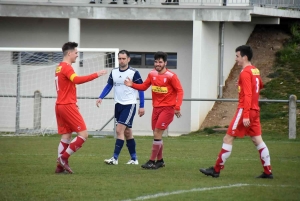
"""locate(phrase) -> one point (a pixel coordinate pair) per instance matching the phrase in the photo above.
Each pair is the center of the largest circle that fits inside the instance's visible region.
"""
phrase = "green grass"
(28, 163)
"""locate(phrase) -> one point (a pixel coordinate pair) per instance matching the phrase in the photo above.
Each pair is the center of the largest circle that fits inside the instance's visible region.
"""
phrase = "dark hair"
(69, 46)
(245, 50)
(161, 55)
(124, 52)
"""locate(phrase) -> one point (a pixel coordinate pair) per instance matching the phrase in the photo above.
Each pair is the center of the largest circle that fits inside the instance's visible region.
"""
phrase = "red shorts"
(69, 119)
(162, 117)
(237, 128)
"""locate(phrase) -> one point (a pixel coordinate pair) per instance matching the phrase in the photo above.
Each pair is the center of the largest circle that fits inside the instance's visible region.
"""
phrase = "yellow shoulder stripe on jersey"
(58, 69)
(158, 89)
(255, 71)
(73, 76)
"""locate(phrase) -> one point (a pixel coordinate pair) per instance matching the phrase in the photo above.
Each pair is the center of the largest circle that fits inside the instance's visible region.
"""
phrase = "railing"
(260, 3)
(38, 101)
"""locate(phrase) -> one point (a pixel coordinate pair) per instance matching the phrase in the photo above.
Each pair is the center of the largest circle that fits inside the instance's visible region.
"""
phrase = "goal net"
(28, 92)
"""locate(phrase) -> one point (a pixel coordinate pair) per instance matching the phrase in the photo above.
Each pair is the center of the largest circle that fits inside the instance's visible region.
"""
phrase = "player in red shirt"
(167, 95)
(67, 114)
(247, 118)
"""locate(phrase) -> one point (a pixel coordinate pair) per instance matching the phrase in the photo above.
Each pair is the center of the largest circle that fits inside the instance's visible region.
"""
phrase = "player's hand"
(101, 72)
(128, 82)
(98, 102)
(141, 112)
(246, 122)
(177, 113)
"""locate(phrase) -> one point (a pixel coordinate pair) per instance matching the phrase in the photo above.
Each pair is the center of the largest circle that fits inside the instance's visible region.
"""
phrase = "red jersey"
(166, 89)
(65, 80)
(249, 85)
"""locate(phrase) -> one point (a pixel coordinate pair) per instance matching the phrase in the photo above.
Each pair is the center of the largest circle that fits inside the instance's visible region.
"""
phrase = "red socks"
(264, 157)
(160, 152)
(73, 147)
(156, 146)
(222, 157)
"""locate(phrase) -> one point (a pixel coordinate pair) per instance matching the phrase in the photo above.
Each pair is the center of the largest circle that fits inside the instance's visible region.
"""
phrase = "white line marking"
(185, 191)
(202, 189)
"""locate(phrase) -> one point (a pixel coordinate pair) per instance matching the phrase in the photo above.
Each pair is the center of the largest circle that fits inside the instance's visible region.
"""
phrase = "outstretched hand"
(128, 82)
(101, 72)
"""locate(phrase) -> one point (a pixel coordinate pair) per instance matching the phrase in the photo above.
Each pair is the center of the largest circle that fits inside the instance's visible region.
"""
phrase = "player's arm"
(247, 88)
(179, 90)
(138, 80)
(69, 72)
(142, 87)
(261, 84)
(106, 90)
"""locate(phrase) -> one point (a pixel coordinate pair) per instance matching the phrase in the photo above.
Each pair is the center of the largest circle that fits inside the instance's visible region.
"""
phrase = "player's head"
(124, 58)
(70, 51)
(243, 54)
(160, 61)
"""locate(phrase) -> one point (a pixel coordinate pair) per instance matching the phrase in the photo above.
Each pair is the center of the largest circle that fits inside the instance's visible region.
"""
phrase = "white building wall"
(235, 34)
(197, 51)
(138, 36)
(205, 69)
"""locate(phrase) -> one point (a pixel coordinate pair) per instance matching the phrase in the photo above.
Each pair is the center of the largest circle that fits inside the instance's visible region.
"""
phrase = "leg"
(130, 143)
(235, 129)
(118, 145)
(157, 143)
(62, 147)
(255, 133)
(264, 156)
(74, 146)
(124, 115)
(225, 152)
(156, 146)
(161, 119)
(222, 157)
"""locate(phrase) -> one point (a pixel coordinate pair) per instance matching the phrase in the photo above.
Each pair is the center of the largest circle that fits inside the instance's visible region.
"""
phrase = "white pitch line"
(185, 191)
(202, 189)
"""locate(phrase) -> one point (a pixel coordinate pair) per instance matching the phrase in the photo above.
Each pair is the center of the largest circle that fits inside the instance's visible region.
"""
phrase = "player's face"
(73, 54)
(160, 65)
(239, 59)
(123, 60)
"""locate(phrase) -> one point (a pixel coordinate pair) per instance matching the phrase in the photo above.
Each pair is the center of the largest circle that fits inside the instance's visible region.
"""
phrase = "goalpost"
(28, 92)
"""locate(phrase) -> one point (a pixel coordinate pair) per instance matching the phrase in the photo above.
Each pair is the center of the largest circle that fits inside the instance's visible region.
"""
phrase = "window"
(146, 60)
(143, 60)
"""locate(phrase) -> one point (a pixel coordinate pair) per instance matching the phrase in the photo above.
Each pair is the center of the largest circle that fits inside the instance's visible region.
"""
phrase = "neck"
(247, 64)
(124, 68)
(162, 71)
(67, 61)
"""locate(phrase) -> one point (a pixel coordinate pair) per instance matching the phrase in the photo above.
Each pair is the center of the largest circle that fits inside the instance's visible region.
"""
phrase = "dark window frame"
(111, 64)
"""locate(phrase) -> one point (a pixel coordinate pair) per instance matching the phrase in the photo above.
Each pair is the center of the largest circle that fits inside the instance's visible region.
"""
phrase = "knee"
(228, 139)
(84, 134)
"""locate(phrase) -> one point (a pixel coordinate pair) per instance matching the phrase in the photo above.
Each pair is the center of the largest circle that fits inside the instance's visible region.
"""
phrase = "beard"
(159, 69)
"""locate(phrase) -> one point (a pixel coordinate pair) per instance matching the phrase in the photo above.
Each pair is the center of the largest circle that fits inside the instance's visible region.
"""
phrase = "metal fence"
(37, 98)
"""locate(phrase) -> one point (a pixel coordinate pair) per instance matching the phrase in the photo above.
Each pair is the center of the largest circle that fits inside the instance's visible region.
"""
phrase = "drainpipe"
(221, 53)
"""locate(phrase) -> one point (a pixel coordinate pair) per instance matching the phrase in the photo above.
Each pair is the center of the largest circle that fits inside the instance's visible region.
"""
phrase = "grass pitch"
(28, 163)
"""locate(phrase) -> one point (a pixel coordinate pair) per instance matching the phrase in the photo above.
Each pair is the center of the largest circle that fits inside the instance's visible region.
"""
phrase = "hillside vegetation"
(283, 81)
